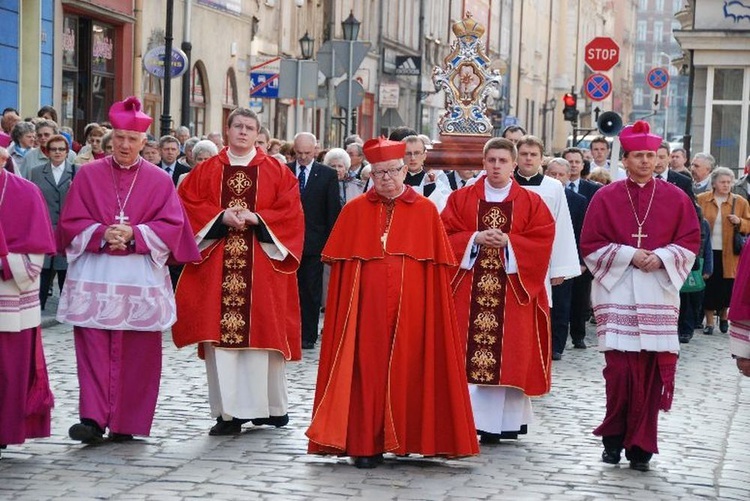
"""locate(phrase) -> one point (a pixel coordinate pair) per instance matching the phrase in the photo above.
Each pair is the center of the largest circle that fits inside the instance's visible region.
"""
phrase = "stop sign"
(602, 53)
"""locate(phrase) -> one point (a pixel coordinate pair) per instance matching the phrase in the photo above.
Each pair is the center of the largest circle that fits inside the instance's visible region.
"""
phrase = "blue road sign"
(658, 78)
(597, 87)
(264, 85)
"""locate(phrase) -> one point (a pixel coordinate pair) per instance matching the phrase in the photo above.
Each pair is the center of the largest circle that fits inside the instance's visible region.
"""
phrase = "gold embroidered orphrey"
(239, 185)
(487, 301)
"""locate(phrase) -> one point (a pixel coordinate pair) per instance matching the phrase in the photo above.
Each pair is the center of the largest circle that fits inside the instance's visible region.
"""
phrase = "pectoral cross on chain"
(640, 235)
(122, 218)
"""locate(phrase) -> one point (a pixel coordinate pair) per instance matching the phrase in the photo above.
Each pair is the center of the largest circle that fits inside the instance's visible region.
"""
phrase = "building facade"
(715, 39)
(27, 46)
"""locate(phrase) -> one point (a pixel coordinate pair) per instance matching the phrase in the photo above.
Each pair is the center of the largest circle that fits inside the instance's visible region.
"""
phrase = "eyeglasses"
(413, 153)
(380, 174)
(57, 150)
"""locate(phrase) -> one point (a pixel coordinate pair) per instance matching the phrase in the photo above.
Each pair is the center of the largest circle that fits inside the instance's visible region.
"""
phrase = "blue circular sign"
(153, 62)
(598, 87)
(657, 78)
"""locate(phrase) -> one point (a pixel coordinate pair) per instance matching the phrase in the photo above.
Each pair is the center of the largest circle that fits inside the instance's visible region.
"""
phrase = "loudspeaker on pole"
(609, 124)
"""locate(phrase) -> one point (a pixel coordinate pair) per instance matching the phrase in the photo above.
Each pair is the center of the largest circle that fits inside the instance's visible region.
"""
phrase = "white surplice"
(637, 310)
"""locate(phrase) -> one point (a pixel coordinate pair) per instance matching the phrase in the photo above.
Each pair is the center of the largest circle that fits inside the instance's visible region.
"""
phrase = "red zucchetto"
(127, 115)
(382, 150)
(638, 137)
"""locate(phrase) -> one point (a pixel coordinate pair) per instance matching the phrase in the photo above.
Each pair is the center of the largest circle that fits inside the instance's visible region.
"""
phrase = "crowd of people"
(447, 295)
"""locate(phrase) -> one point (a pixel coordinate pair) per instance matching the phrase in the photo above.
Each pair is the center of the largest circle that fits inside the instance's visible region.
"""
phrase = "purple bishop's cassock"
(25, 237)
(120, 300)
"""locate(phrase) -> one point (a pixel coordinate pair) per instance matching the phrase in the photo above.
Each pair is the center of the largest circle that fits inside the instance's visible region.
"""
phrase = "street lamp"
(306, 45)
(350, 27)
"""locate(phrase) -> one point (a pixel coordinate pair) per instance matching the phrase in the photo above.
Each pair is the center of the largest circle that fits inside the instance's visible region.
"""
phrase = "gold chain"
(632, 205)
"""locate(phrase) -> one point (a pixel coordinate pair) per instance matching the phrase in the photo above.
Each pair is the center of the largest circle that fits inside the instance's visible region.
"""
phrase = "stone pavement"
(704, 442)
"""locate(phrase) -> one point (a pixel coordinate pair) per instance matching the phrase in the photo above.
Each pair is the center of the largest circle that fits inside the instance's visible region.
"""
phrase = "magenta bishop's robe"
(120, 301)
(25, 237)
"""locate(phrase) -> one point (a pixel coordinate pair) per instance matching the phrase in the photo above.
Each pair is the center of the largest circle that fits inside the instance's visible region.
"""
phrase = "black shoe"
(556, 356)
(581, 345)
(120, 437)
(87, 433)
(611, 456)
(487, 438)
(277, 421)
(368, 462)
(640, 465)
(708, 330)
(509, 435)
(308, 345)
(684, 339)
(723, 326)
(222, 428)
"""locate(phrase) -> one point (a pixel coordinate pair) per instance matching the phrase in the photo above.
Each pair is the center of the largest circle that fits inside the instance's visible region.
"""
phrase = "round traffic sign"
(597, 87)
(153, 62)
(657, 78)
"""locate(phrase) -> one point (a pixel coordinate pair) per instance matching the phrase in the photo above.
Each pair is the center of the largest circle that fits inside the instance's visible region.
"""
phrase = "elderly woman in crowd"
(23, 135)
(107, 143)
(187, 149)
(203, 150)
(94, 141)
(349, 186)
(600, 175)
(53, 179)
(724, 211)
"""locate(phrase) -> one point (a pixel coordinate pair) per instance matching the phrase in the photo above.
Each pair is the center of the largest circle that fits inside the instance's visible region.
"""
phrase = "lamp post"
(546, 107)
(666, 109)
(350, 27)
(306, 48)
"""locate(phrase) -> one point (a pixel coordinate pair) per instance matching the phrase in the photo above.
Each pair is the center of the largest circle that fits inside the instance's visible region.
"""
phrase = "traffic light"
(570, 110)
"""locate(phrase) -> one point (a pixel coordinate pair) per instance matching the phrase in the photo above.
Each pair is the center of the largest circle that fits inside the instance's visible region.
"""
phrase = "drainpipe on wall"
(138, 49)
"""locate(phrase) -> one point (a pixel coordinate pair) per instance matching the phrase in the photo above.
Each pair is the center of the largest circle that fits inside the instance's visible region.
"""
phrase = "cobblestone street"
(704, 440)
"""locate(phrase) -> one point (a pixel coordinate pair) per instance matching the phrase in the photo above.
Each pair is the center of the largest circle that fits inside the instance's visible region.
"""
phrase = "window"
(198, 92)
(640, 62)
(643, 4)
(658, 31)
(659, 5)
(641, 31)
(638, 96)
(727, 115)
(88, 72)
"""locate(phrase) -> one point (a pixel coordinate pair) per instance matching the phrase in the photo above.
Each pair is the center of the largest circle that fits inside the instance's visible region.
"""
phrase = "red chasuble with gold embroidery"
(505, 317)
(391, 376)
(237, 296)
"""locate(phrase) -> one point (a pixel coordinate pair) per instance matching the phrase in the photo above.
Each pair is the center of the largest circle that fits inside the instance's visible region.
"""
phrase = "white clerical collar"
(527, 178)
(240, 159)
(496, 194)
(126, 167)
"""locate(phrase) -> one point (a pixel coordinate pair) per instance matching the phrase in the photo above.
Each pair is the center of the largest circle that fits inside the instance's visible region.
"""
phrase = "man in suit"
(581, 294)
(460, 178)
(169, 150)
(662, 171)
(562, 294)
(53, 179)
(319, 191)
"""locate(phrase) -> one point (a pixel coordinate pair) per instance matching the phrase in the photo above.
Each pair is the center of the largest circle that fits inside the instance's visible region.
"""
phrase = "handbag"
(694, 281)
(738, 239)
